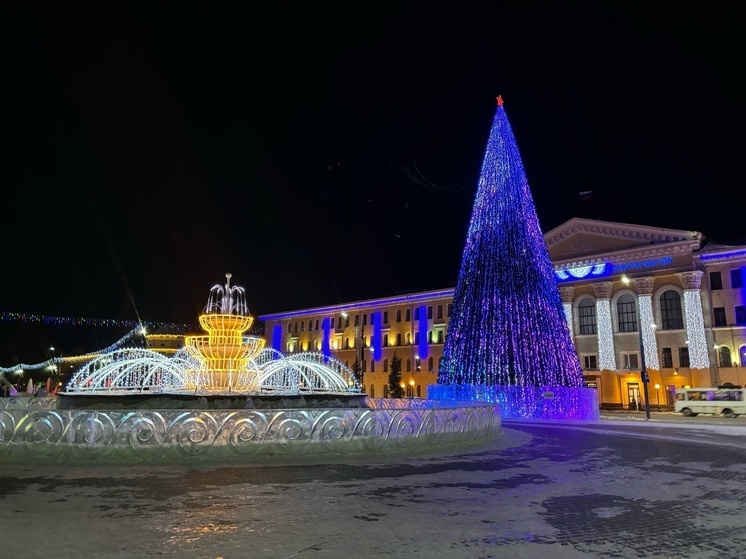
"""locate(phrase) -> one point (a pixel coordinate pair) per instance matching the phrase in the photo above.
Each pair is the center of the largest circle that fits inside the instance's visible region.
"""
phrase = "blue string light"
(508, 324)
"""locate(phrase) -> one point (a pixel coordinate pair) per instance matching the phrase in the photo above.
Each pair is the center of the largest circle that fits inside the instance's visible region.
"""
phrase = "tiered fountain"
(226, 396)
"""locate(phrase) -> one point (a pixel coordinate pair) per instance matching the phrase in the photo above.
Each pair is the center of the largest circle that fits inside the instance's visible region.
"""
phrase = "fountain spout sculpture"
(224, 352)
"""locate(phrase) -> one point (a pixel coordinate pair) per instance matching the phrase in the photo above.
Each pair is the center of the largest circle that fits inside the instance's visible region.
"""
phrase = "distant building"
(609, 275)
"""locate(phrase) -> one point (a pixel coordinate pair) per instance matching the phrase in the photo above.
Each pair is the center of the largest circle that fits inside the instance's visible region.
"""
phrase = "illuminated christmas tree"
(508, 325)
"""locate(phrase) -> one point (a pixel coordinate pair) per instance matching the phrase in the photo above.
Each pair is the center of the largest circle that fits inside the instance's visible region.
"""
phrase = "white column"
(644, 289)
(567, 293)
(605, 331)
(694, 319)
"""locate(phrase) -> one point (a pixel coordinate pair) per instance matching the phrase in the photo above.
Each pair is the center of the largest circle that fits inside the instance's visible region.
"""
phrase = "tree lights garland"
(508, 324)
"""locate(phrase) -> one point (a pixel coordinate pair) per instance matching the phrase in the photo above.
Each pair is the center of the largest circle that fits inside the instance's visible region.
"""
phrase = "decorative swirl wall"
(33, 429)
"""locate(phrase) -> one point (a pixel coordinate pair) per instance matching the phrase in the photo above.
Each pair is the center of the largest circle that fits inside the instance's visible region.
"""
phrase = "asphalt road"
(619, 488)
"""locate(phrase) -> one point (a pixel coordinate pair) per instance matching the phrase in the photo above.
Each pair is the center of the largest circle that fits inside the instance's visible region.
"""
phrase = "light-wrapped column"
(605, 332)
(567, 293)
(694, 319)
(644, 289)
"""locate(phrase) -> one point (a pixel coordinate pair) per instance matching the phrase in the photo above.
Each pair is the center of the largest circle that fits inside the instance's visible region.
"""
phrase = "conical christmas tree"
(508, 325)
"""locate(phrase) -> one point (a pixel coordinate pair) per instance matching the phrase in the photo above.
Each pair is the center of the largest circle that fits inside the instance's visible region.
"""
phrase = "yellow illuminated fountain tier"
(225, 352)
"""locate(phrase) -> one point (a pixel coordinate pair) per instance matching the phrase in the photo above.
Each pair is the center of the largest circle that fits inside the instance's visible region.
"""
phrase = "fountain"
(224, 395)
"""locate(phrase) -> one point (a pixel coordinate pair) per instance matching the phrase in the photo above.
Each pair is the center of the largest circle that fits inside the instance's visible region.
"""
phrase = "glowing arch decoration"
(595, 270)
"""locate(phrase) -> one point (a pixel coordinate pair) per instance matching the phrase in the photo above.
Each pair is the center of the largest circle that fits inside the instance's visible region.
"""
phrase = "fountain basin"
(34, 429)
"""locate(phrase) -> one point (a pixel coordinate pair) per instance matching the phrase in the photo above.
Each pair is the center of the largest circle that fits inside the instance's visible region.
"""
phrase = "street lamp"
(658, 395)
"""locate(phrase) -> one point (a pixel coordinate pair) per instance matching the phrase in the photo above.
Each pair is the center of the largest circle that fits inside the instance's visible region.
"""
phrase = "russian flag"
(585, 195)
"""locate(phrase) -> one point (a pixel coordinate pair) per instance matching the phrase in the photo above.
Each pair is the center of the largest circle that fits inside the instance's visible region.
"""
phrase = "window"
(408, 364)
(449, 309)
(385, 365)
(295, 327)
(630, 361)
(671, 318)
(417, 313)
(740, 314)
(398, 315)
(365, 319)
(719, 316)
(398, 339)
(724, 357)
(317, 324)
(416, 338)
(357, 320)
(372, 391)
(303, 326)
(440, 312)
(372, 366)
(716, 281)
(407, 315)
(347, 343)
(372, 318)
(430, 311)
(385, 390)
(626, 313)
(440, 336)
(385, 340)
(347, 321)
(385, 317)
(407, 338)
(339, 323)
(290, 328)
(429, 336)
(587, 316)
(417, 364)
(430, 364)
(666, 357)
(683, 356)
(736, 278)
(590, 362)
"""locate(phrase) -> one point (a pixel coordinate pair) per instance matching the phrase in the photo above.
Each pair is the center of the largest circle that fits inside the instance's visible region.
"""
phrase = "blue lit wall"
(326, 342)
(423, 348)
(376, 318)
(277, 338)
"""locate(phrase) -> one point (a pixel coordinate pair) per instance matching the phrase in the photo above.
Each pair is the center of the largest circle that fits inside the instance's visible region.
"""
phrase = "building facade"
(636, 297)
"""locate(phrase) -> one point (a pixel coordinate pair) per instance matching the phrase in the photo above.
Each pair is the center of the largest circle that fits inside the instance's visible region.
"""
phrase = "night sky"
(331, 155)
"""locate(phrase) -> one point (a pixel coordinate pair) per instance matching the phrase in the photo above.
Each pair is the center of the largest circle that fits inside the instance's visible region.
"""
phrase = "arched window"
(587, 316)
(372, 391)
(385, 365)
(372, 365)
(409, 364)
(385, 390)
(419, 391)
(671, 318)
(430, 363)
(626, 313)
(724, 357)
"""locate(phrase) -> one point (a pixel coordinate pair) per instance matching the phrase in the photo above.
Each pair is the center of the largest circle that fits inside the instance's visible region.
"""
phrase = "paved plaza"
(618, 488)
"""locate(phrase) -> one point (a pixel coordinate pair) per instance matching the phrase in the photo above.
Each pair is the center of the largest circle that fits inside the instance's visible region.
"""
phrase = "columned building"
(628, 290)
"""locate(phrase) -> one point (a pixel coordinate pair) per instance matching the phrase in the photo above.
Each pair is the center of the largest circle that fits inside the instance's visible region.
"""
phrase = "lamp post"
(658, 395)
(644, 374)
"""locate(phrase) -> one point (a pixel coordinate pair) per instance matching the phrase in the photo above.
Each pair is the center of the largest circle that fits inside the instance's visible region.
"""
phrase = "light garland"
(606, 352)
(649, 340)
(698, 355)
(98, 322)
